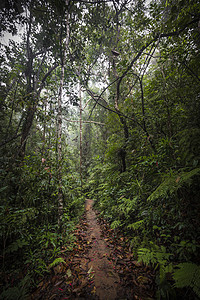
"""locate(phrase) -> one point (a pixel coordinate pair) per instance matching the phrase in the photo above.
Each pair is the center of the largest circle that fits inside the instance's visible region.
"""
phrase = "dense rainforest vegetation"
(100, 99)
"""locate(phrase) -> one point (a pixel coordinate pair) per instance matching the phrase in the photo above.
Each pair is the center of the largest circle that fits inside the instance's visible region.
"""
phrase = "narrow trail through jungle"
(106, 279)
(101, 266)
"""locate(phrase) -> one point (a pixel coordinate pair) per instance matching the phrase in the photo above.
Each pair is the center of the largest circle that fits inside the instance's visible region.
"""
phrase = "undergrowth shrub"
(29, 232)
(158, 210)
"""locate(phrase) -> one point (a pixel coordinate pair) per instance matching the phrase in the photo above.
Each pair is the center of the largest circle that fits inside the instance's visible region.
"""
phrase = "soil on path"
(101, 266)
(106, 279)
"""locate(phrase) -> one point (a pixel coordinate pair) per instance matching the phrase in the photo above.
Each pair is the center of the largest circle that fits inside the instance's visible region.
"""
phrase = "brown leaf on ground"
(101, 266)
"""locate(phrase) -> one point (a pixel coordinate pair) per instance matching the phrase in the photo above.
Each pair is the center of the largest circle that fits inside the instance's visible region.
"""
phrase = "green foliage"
(136, 225)
(187, 275)
(157, 256)
(20, 292)
(14, 293)
(184, 274)
(173, 182)
(153, 130)
(186, 249)
(115, 224)
(15, 246)
(189, 144)
(29, 230)
(56, 262)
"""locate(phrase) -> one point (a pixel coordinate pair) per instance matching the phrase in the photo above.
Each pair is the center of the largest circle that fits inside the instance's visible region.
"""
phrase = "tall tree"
(60, 100)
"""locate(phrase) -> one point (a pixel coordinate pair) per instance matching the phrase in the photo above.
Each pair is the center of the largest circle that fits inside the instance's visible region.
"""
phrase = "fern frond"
(157, 256)
(146, 256)
(173, 183)
(56, 262)
(188, 275)
(136, 225)
(115, 224)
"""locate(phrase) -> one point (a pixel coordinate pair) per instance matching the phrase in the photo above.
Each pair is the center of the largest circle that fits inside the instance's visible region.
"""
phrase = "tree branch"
(110, 109)
(45, 77)
(140, 52)
(10, 140)
(94, 122)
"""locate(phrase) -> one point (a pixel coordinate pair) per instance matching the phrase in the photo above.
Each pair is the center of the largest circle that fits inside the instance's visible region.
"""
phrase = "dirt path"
(106, 280)
(100, 266)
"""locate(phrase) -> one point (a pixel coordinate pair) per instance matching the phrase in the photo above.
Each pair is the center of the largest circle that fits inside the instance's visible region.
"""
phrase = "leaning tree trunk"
(59, 128)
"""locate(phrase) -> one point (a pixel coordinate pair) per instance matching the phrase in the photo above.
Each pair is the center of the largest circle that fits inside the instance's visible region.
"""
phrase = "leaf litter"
(101, 266)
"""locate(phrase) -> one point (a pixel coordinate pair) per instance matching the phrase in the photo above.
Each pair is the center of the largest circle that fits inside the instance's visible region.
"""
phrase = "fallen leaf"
(90, 270)
(69, 273)
(94, 290)
(41, 283)
(58, 283)
(137, 264)
(142, 279)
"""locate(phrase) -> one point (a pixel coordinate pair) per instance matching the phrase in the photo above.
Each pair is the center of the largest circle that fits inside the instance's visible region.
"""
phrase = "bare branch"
(93, 122)
(112, 110)
(94, 2)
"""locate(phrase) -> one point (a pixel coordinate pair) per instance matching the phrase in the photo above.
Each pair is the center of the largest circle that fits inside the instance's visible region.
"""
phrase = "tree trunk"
(122, 151)
(59, 128)
(26, 129)
(80, 99)
(30, 97)
(32, 89)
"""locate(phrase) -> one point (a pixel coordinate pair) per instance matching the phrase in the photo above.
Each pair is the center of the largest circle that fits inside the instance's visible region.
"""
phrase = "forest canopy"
(100, 99)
